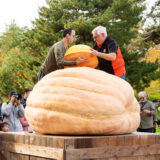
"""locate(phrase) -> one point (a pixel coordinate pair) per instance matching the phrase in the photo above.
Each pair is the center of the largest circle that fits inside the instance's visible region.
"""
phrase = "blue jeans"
(123, 76)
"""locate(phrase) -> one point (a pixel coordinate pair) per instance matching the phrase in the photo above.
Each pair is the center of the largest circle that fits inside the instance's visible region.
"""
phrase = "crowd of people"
(12, 117)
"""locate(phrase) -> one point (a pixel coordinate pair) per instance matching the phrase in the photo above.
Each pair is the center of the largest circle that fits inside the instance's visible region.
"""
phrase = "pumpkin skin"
(81, 101)
(82, 51)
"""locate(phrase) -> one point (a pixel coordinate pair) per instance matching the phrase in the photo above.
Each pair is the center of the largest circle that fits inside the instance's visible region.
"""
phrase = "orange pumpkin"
(82, 51)
(82, 101)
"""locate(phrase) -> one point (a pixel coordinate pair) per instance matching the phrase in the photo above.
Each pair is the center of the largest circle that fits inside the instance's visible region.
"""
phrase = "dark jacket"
(147, 119)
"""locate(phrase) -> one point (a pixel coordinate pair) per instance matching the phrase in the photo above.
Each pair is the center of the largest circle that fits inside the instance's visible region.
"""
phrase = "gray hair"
(100, 29)
(143, 93)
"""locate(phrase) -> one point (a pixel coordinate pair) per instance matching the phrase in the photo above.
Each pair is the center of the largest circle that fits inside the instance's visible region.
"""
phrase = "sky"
(23, 11)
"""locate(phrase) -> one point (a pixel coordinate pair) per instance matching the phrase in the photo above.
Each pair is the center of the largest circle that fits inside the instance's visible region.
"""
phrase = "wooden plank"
(23, 157)
(69, 143)
(5, 155)
(2, 157)
(153, 157)
(114, 152)
(39, 151)
(14, 156)
(147, 139)
(112, 141)
(39, 158)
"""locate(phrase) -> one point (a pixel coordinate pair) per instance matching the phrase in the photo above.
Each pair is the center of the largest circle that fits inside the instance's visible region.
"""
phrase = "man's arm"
(61, 62)
(6, 109)
(20, 109)
(59, 58)
(108, 57)
(112, 49)
(150, 112)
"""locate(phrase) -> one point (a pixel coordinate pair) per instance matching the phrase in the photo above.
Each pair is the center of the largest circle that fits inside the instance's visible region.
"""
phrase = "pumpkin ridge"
(89, 91)
(89, 116)
(92, 79)
(66, 107)
(105, 91)
(39, 126)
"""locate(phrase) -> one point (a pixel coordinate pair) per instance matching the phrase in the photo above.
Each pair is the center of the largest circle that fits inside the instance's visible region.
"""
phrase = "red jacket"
(24, 123)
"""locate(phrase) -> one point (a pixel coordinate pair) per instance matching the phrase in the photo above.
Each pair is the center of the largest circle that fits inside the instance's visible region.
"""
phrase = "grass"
(154, 92)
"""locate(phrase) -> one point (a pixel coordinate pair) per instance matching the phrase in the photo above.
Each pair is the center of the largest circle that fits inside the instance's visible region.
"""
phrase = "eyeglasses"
(142, 98)
(75, 36)
(95, 37)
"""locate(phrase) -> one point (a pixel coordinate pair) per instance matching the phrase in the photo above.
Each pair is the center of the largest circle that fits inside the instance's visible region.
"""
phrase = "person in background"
(1, 101)
(54, 59)
(4, 126)
(12, 111)
(156, 121)
(27, 91)
(146, 114)
(24, 123)
(108, 52)
(23, 120)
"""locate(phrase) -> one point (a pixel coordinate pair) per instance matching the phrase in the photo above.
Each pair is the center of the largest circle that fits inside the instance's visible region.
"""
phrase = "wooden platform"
(135, 146)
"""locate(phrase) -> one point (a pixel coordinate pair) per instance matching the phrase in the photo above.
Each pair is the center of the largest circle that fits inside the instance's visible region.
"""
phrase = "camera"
(18, 96)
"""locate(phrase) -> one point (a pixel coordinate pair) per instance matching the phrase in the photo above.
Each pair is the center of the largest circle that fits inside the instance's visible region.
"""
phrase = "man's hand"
(81, 60)
(18, 102)
(94, 52)
(144, 111)
(13, 100)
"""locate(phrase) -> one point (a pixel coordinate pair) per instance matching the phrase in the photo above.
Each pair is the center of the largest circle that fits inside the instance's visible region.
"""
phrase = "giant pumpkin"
(82, 101)
(82, 51)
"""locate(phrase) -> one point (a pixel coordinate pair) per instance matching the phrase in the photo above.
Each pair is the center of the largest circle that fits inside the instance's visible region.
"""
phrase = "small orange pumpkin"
(82, 51)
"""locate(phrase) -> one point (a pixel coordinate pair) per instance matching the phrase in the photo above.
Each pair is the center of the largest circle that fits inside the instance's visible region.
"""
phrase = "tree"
(120, 17)
(152, 32)
(12, 37)
(16, 66)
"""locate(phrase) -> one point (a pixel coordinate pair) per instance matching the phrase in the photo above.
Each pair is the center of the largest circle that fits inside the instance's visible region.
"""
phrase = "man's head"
(155, 102)
(27, 91)
(13, 93)
(99, 34)
(143, 96)
(14, 96)
(70, 35)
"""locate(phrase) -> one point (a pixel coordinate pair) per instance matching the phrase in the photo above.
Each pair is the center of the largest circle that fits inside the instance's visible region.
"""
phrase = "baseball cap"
(12, 92)
(155, 100)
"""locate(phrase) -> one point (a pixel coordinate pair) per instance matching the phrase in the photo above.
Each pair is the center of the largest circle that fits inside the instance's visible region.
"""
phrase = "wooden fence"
(135, 146)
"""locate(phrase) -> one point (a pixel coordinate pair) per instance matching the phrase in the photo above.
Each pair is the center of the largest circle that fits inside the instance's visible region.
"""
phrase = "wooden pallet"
(135, 146)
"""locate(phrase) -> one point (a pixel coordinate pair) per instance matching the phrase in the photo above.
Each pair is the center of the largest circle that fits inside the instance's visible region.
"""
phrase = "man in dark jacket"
(147, 113)
(27, 91)
(108, 52)
(155, 119)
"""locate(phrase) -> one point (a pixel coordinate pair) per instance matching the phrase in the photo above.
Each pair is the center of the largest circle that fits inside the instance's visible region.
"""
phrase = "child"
(4, 126)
